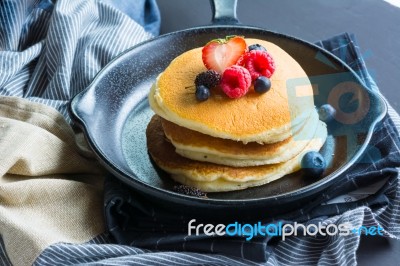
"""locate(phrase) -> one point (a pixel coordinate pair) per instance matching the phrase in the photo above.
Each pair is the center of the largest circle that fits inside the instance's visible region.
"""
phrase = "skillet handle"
(224, 12)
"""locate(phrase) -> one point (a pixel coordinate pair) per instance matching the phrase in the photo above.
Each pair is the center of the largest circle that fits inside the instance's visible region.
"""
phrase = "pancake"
(262, 118)
(197, 146)
(211, 177)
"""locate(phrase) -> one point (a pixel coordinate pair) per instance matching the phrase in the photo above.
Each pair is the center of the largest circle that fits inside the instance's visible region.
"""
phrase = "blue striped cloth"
(50, 52)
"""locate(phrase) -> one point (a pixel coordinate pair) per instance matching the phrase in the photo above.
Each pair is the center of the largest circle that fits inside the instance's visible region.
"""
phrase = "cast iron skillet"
(113, 112)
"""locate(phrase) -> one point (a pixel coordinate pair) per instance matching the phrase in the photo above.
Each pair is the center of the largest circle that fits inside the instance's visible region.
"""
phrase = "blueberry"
(202, 93)
(313, 164)
(258, 47)
(326, 113)
(262, 84)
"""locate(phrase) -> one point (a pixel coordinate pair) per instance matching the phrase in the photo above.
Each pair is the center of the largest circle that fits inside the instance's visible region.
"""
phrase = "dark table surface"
(375, 24)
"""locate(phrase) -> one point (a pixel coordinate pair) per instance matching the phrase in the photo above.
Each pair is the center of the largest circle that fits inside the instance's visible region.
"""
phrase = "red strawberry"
(236, 81)
(220, 54)
(259, 63)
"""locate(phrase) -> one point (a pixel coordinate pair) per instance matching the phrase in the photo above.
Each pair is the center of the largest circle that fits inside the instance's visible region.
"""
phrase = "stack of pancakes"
(225, 144)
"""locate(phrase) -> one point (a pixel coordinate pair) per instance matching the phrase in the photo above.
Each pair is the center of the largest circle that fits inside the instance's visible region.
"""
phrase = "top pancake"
(263, 118)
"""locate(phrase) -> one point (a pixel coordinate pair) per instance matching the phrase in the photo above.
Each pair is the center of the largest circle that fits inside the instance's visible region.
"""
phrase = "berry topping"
(258, 47)
(202, 93)
(220, 54)
(236, 81)
(313, 164)
(209, 78)
(259, 63)
(326, 113)
(190, 191)
(262, 84)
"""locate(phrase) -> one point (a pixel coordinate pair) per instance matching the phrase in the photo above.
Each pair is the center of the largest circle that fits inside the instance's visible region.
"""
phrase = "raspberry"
(209, 78)
(240, 61)
(259, 63)
(236, 81)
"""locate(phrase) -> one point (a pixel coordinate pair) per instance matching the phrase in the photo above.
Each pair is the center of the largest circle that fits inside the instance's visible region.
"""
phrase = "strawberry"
(220, 54)
(236, 81)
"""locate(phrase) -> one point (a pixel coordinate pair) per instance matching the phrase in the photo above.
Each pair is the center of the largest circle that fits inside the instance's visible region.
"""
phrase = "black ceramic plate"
(113, 112)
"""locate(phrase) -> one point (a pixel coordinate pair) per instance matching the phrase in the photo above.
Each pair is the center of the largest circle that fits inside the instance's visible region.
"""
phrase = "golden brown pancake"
(211, 177)
(263, 118)
(197, 146)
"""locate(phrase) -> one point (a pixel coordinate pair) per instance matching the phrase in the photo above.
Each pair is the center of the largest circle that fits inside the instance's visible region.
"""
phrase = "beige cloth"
(50, 190)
